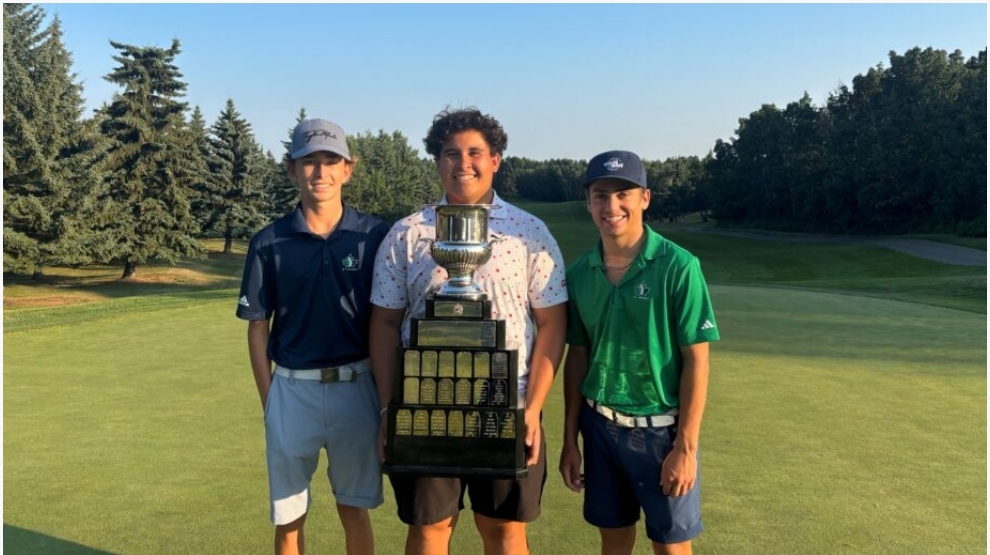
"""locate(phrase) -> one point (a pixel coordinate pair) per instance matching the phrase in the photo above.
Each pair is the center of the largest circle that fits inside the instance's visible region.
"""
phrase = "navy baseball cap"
(312, 135)
(616, 164)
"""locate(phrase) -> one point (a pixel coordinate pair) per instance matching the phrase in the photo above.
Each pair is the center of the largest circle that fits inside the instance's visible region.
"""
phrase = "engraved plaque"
(508, 426)
(489, 424)
(403, 422)
(500, 393)
(445, 364)
(462, 333)
(481, 393)
(464, 359)
(438, 423)
(472, 424)
(421, 423)
(462, 392)
(428, 367)
(455, 424)
(410, 391)
(445, 391)
(410, 363)
(428, 391)
(500, 366)
(482, 368)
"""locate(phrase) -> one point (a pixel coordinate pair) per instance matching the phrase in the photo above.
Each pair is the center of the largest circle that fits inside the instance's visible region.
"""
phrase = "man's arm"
(680, 468)
(548, 349)
(384, 338)
(575, 369)
(261, 365)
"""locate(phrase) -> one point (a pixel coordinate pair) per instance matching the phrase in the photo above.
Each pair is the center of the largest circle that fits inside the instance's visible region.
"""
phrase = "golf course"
(846, 411)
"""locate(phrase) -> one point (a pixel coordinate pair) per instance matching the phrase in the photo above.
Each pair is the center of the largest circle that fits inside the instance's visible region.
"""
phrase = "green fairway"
(847, 414)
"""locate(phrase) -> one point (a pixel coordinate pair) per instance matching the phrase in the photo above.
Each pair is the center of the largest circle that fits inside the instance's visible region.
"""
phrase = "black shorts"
(428, 500)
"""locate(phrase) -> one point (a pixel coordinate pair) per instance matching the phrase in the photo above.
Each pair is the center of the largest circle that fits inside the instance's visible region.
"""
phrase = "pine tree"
(281, 194)
(152, 172)
(50, 155)
(233, 196)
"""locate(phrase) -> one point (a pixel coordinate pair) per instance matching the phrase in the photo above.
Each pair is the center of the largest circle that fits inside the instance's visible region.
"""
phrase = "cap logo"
(613, 165)
(319, 132)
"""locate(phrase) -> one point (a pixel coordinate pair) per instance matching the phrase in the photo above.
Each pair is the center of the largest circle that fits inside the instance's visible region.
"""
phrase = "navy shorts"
(622, 474)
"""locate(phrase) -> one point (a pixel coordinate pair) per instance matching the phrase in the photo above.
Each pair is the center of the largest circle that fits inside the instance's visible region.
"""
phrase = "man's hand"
(533, 436)
(570, 468)
(678, 473)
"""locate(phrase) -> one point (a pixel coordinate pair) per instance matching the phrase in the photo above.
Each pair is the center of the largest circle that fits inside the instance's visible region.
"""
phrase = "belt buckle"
(329, 375)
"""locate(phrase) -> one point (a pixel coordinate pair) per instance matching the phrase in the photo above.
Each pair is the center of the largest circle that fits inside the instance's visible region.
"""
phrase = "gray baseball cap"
(312, 135)
(616, 164)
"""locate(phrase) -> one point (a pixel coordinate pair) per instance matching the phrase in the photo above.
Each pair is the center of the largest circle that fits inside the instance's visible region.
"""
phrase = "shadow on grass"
(18, 541)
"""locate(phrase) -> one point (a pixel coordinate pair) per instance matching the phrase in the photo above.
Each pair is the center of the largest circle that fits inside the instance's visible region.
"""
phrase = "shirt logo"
(642, 290)
(708, 325)
(243, 301)
(350, 263)
(613, 164)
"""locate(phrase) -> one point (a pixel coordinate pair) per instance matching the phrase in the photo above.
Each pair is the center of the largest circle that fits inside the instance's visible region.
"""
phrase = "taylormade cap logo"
(614, 165)
(313, 135)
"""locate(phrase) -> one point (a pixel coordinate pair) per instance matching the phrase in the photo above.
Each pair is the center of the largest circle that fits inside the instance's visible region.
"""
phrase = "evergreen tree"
(232, 199)
(51, 174)
(281, 194)
(152, 172)
(389, 180)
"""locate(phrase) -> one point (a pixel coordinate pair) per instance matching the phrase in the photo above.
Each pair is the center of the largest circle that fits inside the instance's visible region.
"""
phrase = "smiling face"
(617, 208)
(319, 176)
(467, 168)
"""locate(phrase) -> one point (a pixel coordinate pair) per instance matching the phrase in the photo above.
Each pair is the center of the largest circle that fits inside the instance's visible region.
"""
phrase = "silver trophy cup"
(461, 246)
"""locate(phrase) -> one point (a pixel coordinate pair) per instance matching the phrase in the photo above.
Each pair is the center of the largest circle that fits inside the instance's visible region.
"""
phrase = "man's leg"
(289, 537)
(682, 548)
(358, 536)
(430, 539)
(502, 537)
(618, 541)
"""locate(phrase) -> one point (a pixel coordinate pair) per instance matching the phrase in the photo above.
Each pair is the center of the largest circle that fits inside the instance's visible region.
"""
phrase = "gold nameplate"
(410, 391)
(445, 364)
(403, 422)
(458, 309)
(462, 392)
(421, 423)
(428, 368)
(438, 423)
(428, 391)
(482, 368)
(481, 392)
(500, 366)
(464, 360)
(410, 365)
(472, 424)
(455, 424)
(508, 430)
(445, 391)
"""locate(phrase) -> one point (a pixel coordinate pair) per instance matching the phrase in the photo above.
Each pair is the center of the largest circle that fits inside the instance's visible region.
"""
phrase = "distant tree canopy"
(143, 179)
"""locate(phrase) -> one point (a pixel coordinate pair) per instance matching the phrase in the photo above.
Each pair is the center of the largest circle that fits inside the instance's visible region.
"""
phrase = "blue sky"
(565, 80)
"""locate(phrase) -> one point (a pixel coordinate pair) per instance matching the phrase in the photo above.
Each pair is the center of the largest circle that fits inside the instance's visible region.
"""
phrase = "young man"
(524, 279)
(636, 373)
(307, 280)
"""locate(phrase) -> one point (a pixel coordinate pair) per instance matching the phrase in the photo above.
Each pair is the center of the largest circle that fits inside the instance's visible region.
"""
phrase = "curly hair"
(448, 122)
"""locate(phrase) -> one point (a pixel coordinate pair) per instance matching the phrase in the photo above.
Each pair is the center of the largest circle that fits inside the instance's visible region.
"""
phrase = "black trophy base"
(493, 445)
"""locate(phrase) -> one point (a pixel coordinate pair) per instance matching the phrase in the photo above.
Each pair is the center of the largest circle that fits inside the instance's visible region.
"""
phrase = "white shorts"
(304, 416)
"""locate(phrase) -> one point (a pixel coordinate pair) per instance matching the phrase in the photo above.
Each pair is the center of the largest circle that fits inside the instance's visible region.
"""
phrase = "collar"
(653, 247)
(497, 211)
(348, 220)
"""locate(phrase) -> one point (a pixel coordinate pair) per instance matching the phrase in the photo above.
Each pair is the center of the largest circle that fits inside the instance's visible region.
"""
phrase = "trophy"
(455, 409)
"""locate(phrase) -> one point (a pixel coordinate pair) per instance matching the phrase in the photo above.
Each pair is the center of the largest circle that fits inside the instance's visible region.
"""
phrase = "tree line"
(145, 177)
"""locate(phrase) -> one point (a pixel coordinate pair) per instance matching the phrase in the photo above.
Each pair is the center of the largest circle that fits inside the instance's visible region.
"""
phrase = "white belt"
(630, 421)
(332, 374)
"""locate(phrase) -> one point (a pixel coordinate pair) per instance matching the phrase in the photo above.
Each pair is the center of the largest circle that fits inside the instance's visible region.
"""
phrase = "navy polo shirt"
(315, 290)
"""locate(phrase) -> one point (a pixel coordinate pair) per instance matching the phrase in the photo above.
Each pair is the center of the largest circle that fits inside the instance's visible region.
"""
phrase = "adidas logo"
(707, 325)
(244, 302)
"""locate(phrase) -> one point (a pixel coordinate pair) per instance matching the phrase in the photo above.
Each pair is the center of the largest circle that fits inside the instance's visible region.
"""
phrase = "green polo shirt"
(634, 329)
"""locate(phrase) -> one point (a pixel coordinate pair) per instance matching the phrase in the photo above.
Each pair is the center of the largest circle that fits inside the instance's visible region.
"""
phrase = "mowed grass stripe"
(836, 424)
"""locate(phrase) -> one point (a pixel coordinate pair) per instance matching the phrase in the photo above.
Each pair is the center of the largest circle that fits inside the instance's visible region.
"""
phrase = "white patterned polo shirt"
(526, 271)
